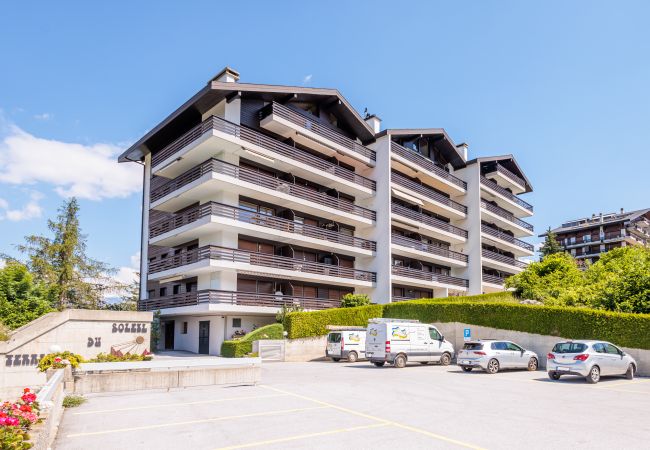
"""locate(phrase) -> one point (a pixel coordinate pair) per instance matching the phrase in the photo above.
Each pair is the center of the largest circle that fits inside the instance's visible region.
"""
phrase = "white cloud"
(84, 171)
(31, 210)
(44, 116)
(307, 79)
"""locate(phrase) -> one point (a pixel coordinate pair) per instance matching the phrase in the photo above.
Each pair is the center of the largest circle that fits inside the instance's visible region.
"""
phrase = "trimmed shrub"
(129, 357)
(244, 346)
(58, 360)
(72, 401)
(352, 300)
(502, 297)
(308, 324)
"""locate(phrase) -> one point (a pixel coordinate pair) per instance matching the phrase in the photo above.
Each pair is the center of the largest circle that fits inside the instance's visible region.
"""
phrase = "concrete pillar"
(144, 236)
(472, 223)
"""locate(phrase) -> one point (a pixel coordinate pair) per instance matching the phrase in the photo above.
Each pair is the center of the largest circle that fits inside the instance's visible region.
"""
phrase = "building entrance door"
(169, 335)
(204, 337)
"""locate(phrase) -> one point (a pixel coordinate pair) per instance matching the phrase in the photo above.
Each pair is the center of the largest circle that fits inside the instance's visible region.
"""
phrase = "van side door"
(435, 344)
(419, 343)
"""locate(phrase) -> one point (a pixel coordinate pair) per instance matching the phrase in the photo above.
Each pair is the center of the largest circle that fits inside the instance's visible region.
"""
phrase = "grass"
(72, 401)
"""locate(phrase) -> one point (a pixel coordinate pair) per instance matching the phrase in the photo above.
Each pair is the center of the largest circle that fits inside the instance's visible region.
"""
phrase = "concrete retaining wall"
(306, 349)
(50, 400)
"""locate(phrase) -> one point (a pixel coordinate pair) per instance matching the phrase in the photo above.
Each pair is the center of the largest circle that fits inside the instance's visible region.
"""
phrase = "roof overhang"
(509, 162)
(441, 138)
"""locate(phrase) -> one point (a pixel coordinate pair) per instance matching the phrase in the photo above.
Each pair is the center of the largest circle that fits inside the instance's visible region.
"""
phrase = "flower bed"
(16, 418)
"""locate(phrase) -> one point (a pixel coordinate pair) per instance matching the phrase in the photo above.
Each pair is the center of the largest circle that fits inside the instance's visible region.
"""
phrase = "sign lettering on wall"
(23, 359)
(129, 328)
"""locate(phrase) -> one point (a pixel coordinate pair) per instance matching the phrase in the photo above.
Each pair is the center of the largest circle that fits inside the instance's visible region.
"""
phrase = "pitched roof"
(509, 162)
(594, 221)
(456, 157)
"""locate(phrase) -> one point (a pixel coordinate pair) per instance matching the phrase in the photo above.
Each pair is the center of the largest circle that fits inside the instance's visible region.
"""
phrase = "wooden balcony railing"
(396, 298)
(215, 253)
(428, 276)
(506, 173)
(236, 298)
(243, 215)
(426, 163)
(507, 194)
(488, 254)
(427, 192)
(423, 218)
(428, 248)
(506, 237)
(266, 142)
(259, 179)
(493, 279)
(506, 215)
(310, 124)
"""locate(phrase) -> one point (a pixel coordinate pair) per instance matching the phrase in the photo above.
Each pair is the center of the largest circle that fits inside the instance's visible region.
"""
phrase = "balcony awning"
(407, 197)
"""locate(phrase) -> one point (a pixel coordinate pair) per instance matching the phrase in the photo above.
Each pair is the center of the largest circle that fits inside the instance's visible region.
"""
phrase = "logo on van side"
(354, 337)
(399, 333)
(373, 332)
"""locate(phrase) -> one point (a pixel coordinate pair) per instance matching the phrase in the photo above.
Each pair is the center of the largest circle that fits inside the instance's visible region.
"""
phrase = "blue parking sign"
(467, 334)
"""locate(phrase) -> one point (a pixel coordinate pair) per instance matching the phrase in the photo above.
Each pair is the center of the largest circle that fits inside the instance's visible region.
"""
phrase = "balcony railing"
(488, 254)
(427, 192)
(215, 253)
(426, 163)
(506, 173)
(236, 298)
(266, 142)
(493, 279)
(243, 215)
(428, 276)
(506, 237)
(312, 125)
(507, 194)
(396, 298)
(423, 218)
(506, 215)
(428, 248)
(259, 179)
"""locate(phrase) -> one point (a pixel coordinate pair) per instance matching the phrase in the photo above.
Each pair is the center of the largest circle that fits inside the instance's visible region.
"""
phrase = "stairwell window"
(184, 331)
(236, 323)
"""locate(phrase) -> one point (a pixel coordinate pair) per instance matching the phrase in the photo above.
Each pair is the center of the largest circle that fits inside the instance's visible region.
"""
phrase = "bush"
(16, 418)
(502, 297)
(244, 346)
(353, 300)
(107, 357)
(308, 324)
(4, 332)
(72, 401)
(57, 361)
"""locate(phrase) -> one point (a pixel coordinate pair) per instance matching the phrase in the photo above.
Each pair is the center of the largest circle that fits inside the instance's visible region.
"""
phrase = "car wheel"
(353, 357)
(445, 359)
(336, 359)
(400, 361)
(594, 375)
(554, 376)
(493, 366)
(532, 364)
(467, 369)
(630, 372)
(379, 363)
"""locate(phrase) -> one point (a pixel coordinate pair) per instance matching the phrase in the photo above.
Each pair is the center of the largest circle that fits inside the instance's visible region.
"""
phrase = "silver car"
(492, 356)
(589, 359)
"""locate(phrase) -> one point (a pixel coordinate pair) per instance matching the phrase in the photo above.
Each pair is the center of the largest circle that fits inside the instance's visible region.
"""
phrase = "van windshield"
(472, 346)
(334, 338)
(569, 347)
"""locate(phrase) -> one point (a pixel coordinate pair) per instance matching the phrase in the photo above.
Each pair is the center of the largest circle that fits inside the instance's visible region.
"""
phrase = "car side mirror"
(522, 352)
(442, 338)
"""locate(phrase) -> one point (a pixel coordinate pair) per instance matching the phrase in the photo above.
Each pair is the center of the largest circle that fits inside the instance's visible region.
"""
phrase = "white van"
(398, 341)
(346, 344)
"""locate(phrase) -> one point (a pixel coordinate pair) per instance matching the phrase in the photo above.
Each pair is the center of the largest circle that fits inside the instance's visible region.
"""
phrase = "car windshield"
(473, 346)
(334, 338)
(569, 347)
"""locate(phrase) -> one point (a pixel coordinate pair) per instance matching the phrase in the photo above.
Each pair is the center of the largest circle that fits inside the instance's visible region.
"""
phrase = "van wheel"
(336, 359)
(400, 361)
(554, 376)
(445, 359)
(532, 364)
(630, 372)
(467, 369)
(379, 363)
(353, 357)
(493, 366)
(594, 375)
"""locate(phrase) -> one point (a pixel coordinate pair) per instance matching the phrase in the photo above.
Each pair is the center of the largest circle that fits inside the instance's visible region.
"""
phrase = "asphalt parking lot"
(321, 405)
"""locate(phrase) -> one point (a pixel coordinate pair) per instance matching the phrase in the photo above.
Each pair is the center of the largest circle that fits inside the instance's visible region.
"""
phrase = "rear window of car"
(335, 338)
(472, 346)
(569, 347)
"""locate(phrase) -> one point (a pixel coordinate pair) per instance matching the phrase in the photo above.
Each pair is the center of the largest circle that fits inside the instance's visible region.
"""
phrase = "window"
(572, 240)
(334, 338)
(569, 347)
(612, 350)
(236, 323)
(586, 238)
(163, 291)
(176, 289)
(434, 334)
(513, 347)
(151, 293)
(184, 331)
(499, 346)
(599, 348)
(472, 346)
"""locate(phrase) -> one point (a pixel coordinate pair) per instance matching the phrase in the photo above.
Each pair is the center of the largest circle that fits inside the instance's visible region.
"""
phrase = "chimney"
(374, 122)
(462, 148)
(622, 210)
(227, 75)
(601, 217)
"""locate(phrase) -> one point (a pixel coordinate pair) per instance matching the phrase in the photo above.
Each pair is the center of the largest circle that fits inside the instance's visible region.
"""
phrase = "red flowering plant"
(21, 414)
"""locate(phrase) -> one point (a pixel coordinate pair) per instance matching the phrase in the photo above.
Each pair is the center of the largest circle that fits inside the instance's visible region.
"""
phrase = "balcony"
(505, 198)
(493, 280)
(215, 134)
(404, 246)
(427, 225)
(405, 275)
(299, 126)
(506, 220)
(413, 164)
(512, 244)
(211, 258)
(213, 175)
(212, 217)
(424, 195)
(507, 179)
(498, 261)
(226, 298)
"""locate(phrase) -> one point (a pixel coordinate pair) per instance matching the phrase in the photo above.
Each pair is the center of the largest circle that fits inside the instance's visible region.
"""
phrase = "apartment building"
(258, 196)
(587, 238)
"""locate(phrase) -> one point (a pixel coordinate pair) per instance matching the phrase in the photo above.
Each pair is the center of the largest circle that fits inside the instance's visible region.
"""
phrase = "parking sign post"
(467, 334)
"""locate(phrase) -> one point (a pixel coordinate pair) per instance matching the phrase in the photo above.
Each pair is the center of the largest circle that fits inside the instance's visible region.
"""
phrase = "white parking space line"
(193, 422)
(622, 383)
(167, 405)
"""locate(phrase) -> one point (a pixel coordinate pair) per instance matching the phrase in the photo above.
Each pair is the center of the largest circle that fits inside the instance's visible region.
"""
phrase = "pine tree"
(550, 245)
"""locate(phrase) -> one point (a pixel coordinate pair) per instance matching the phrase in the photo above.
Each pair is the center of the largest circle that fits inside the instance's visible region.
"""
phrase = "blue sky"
(561, 85)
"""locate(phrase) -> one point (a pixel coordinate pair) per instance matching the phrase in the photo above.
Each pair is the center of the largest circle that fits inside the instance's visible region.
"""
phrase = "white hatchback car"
(589, 359)
(492, 356)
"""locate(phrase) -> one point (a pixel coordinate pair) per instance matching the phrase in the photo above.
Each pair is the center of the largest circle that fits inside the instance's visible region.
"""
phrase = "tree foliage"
(550, 245)
(22, 299)
(353, 300)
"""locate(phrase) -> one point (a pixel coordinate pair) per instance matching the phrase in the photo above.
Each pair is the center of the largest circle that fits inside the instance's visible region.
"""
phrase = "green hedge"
(244, 346)
(308, 324)
(501, 297)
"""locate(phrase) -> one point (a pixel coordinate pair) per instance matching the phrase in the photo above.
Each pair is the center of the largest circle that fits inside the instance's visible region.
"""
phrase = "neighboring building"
(257, 196)
(586, 239)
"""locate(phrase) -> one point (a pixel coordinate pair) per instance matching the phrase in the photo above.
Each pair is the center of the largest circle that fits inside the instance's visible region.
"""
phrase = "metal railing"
(243, 215)
(506, 173)
(507, 194)
(488, 254)
(216, 253)
(260, 179)
(428, 276)
(428, 248)
(396, 298)
(423, 218)
(312, 125)
(236, 298)
(427, 192)
(506, 237)
(426, 163)
(493, 279)
(506, 215)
